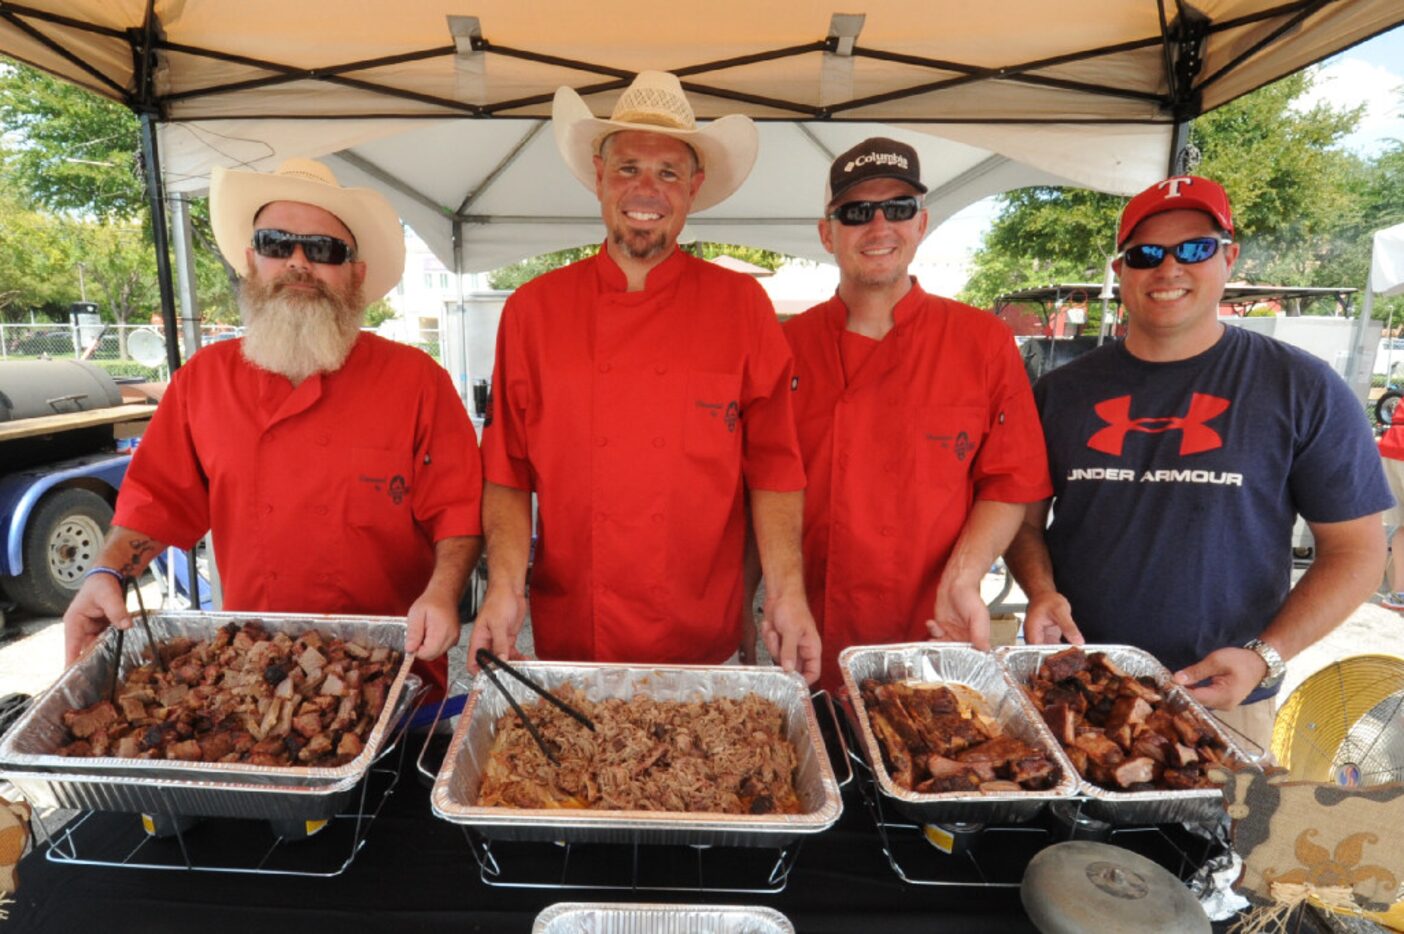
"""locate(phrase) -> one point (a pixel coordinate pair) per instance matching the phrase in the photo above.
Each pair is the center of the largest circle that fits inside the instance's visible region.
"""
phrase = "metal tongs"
(121, 637)
(488, 661)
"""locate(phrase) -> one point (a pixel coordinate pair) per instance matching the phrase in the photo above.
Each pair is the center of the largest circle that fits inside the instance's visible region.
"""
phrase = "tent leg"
(185, 266)
(1178, 141)
(155, 195)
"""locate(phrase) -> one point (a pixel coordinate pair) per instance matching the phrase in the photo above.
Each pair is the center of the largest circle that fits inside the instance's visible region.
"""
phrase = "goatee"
(295, 332)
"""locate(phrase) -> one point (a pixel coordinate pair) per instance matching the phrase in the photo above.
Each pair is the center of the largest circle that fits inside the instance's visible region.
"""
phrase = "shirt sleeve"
(1012, 465)
(165, 493)
(448, 482)
(1336, 473)
(770, 457)
(505, 456)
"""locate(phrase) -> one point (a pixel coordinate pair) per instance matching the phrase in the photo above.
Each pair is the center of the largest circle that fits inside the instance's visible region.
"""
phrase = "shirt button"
(659, 442)
(887, 531)
(268, 509)
(604, 368)
(890, 466)
(272, 575)
(320, 510)
(323, 439)
(601, 441)
(657, 517)
(660, 369)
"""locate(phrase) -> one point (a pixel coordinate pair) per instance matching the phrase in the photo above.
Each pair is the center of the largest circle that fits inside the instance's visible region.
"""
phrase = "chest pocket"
(378, 488)
(712, 415)
(947, 438)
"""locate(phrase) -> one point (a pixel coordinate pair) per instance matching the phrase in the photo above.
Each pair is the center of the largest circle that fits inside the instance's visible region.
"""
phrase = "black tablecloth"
(418, 873)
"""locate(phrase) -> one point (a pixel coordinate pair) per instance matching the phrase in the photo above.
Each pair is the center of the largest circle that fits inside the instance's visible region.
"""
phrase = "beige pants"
(1253, 721)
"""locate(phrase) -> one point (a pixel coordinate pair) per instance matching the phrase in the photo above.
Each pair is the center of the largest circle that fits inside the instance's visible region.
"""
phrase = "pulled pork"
(244, 696)
(723, 756)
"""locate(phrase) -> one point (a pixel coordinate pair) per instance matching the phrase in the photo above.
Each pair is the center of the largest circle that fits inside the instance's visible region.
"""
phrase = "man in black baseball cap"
(920, 439)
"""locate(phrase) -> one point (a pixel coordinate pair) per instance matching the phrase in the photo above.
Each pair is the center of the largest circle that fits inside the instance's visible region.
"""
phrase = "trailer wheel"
(1384, 408)
(63, 540)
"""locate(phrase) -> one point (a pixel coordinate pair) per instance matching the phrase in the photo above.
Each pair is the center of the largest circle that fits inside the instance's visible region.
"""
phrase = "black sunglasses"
(858, 213)
(278, 244)
(1151, 255)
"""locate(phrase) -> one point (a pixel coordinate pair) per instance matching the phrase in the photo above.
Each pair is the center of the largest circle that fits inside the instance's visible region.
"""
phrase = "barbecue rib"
(933, 742)
(1117, 729)
(243, 696)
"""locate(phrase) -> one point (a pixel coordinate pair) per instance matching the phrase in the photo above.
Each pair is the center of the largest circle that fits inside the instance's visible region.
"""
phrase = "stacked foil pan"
(1136, 807)
(455, 792)
(942, 662)
(609, 918)
(30, 760)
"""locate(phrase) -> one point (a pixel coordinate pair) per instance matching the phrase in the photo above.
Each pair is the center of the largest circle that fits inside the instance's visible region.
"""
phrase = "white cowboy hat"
(654, 103)
(236, 196)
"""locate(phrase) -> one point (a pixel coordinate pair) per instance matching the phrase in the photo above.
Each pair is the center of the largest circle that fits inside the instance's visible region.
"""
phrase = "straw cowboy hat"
(654, 103)
(236, 196)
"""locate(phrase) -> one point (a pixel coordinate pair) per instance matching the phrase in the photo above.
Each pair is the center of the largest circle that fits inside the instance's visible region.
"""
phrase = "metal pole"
(157, 203)
(185, 267)
(1179, 138)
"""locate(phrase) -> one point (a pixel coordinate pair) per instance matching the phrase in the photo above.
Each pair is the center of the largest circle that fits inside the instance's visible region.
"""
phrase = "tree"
(1293, 191)
(510, 277)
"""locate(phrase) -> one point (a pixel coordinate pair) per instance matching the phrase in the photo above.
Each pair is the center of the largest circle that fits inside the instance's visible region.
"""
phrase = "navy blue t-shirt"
(1176, 487)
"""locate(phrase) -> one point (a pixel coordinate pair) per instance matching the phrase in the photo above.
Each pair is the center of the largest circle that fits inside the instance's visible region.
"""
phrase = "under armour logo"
(1174, 185)
(1196, 436)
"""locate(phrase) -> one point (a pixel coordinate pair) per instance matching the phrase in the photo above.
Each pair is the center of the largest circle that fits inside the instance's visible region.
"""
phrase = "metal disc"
(1081, 886)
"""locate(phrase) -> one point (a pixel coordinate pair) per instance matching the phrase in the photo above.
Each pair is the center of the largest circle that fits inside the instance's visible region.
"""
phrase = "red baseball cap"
(1178, 193)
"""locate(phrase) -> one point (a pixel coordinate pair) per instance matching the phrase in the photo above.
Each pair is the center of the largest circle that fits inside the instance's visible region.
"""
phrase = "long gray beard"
(297, 334)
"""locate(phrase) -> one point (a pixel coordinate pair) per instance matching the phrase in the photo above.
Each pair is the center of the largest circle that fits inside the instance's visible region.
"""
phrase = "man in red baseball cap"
(1181, 458)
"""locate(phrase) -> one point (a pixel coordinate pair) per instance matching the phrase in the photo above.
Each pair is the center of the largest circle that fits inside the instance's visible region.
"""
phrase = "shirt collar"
(901, 312)
(612, 278)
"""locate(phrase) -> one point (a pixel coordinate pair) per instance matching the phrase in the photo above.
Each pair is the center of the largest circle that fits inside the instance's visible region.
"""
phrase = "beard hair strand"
(297, 334)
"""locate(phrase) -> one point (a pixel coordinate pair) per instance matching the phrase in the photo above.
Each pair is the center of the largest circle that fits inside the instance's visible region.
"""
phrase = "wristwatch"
(1276, 667)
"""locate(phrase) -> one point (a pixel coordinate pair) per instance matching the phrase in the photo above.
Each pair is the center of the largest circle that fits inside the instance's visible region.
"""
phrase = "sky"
(1371, 73)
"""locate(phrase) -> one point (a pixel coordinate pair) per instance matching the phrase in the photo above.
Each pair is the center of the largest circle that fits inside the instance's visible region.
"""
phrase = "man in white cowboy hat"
(920, 437)
(338, 471)
(639, 394)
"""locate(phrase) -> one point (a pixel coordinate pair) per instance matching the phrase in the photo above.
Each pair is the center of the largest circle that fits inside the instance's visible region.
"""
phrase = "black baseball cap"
(877, 157)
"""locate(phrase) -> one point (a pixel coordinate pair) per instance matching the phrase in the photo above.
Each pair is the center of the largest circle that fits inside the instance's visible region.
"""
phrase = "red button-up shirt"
(324, 498)
(938, 415)
(635, 416)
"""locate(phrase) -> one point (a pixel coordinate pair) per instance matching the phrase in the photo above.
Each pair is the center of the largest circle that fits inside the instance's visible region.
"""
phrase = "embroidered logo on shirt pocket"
(713, 417)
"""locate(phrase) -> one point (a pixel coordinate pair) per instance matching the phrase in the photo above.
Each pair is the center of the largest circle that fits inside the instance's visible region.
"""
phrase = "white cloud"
(1349, 82)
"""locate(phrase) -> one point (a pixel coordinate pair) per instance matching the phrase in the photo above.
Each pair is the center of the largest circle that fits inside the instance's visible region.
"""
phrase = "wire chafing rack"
(996, 856)
(236, 845)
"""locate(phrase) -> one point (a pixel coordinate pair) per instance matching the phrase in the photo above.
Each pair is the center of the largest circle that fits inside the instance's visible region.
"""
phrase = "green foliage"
(510, 277)
(1303, 207)
(379, 312)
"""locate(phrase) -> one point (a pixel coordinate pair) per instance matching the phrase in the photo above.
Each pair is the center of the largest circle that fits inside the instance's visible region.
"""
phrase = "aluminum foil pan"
(455, 790)
(583, 918)
(32, 743)
(1137, 807)
(953, 664)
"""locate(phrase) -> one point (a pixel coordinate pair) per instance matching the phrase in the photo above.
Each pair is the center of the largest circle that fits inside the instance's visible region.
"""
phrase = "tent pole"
(1178, 140)
(185, 266)
(156, 201)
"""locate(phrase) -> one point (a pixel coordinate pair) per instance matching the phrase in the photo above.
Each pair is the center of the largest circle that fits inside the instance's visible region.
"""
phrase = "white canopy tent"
(443, 106)
(1386, 276)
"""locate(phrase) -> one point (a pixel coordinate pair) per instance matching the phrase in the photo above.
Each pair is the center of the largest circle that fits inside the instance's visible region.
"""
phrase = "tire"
(62, 541)
(1385, 406)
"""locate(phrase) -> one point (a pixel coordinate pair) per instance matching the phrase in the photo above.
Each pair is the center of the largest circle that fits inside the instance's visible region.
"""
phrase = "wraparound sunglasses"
(858, 213)
(1151, 255)
(279, 244)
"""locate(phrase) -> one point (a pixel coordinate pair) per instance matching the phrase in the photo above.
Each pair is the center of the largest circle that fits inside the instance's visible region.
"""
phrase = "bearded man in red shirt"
(338, 471)
(641, 394)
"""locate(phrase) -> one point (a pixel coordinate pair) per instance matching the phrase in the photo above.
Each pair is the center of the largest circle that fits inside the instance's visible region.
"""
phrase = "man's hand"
(432, 622)
(1049, 619)
(790, 635)
(1231, 673)
(100, 602)
(960, 614)
(499, 620)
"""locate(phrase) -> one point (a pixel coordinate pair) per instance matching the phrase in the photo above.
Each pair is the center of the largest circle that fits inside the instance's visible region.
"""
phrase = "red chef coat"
(324, 498)
(938, 415)
(635, 416)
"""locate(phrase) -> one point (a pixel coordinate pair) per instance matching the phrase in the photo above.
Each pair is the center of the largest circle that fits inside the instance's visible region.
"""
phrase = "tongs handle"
(117, 666)
(487, 660)
(521, 714)
(146, 625)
